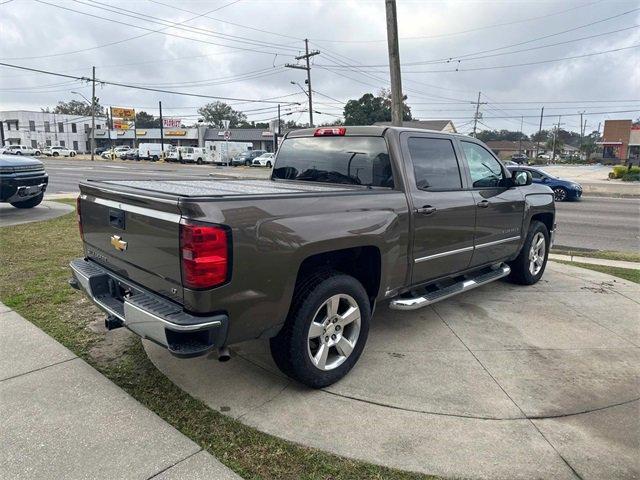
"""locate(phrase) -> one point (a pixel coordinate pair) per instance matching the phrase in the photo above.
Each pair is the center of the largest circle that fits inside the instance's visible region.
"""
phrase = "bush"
(619, 171)
(631, 177)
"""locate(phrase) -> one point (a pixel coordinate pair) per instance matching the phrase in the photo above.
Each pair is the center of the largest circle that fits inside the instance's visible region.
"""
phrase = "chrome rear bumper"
(147, 314)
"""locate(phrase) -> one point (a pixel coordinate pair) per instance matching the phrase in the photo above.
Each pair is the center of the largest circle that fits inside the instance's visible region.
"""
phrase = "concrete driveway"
(502, 382)
(10, 215)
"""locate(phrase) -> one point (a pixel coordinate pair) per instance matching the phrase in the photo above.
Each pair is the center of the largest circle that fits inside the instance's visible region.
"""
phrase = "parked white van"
(153, 151)
(221, 152)
(188, 155)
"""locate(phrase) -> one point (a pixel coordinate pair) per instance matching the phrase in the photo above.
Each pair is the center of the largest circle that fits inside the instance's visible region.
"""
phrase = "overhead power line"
(461, 32)
(161, 31)
(137, 87)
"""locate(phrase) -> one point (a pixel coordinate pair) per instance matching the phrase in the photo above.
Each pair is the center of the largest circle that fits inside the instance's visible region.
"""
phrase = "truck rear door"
(137, 238)
(443, 210)
(499, 209)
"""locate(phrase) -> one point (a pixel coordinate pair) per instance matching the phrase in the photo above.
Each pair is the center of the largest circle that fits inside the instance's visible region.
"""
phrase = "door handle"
(426, 210)
(483, 204)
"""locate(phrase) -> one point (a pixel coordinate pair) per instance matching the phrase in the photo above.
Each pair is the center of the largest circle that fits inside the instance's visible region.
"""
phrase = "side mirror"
(521, 178)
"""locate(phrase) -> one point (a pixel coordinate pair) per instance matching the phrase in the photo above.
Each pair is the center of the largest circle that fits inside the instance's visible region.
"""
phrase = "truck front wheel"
(530, 263)
(326, 330)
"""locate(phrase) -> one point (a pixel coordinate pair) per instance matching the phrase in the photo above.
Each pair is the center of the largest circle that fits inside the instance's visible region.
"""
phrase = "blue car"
(562, 189)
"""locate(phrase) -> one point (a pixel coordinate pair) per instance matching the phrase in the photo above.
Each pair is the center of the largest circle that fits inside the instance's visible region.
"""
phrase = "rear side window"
(348, 160)
(435, 165)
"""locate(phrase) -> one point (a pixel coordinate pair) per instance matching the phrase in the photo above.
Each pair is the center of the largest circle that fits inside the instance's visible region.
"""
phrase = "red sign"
(171, 122)
(227, 135)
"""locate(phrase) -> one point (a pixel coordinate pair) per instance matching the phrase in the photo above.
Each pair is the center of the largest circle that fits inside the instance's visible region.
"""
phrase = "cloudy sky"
(515, 52)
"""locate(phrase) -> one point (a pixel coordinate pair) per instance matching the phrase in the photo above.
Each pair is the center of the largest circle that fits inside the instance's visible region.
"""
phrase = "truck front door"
(499, 208)
(443, 210)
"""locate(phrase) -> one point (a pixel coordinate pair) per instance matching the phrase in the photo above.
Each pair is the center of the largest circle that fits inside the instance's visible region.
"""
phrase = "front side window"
(435, 165)
(339, 159)
(485, 170)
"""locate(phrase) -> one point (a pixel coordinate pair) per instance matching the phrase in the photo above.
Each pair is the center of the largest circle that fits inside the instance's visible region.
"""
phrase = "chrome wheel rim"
(537, 253)
(559, 194)
(334, 331)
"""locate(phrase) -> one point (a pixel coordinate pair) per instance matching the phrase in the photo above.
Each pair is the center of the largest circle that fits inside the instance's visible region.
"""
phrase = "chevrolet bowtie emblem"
(118, 243)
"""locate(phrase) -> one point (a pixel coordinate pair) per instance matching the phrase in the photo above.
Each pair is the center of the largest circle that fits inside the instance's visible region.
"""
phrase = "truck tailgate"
(136, 237)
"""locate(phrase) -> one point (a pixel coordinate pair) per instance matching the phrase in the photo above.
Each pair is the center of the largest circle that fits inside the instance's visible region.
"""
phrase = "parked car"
(100, 150)
(520, 158)
(23, 181)
(116, 152)
(351, 217)
(247, 158)
(58, 151)
(21, 150)
(264, 160)
(131, 154)
(562, 189)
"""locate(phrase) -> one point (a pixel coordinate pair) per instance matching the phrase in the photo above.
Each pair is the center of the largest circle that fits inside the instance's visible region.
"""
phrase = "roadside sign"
(227, 135)
(171, 122)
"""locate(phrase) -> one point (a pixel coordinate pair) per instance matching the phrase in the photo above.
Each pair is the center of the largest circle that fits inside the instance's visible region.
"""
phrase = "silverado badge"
(118, 243)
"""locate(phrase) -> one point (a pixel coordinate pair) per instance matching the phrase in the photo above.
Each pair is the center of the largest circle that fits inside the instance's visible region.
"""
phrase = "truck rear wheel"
(530, 263)
(326, 330)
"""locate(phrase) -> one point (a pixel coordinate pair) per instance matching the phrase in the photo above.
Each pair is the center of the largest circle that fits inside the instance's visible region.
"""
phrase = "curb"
(595, 261)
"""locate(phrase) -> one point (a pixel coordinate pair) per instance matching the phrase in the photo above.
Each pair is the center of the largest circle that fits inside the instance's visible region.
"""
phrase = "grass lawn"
(624, 273)
(33, 281)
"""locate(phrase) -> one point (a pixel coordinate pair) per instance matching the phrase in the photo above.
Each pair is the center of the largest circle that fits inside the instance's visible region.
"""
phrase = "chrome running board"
(413, 303)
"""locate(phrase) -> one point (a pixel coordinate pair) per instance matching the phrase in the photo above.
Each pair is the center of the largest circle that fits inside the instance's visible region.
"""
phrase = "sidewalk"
(63, 419)
(595, 261)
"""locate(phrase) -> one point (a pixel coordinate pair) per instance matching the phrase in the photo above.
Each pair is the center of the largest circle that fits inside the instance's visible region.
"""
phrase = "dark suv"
(22, 181)
(246, 158)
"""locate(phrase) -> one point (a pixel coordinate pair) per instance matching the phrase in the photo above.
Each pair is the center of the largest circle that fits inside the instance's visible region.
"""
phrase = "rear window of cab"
(335, 159)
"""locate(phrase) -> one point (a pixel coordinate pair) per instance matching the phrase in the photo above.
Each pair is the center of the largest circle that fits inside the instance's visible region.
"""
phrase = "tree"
(214, 113)
(75, 107)
(491, 135)
(146, 120)
(541, 136)
(370, 109)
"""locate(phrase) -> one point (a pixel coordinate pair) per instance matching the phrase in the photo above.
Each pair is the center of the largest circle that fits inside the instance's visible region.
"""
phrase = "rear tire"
(531, 262)
(325, 331)
(268, 164)
(32, 202)
(199, 161)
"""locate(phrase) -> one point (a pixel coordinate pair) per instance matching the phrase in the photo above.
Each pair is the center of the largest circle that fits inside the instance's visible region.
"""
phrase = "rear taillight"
(329, 132)
(79, 217)
(205, 255)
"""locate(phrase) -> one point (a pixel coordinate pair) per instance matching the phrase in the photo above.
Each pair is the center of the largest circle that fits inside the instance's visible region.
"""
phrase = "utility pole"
(555, 137)
(520, 136)
(93, 114)
(539, 132)
(581, 132)
(307, 55)
(161, 130)
(477, 115)
(394, 63)
(276, 133)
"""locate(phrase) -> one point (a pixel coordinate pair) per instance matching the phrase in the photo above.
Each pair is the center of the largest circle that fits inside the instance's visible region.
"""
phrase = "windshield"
(349, 160)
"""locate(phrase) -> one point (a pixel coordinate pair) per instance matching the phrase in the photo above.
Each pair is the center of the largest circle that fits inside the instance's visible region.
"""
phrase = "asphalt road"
(592, 223)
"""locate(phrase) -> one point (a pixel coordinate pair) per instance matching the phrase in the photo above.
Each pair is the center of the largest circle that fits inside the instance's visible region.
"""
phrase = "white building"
(40, 129)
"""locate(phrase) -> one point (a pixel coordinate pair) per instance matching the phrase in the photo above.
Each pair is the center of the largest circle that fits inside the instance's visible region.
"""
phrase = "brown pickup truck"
(352, 216)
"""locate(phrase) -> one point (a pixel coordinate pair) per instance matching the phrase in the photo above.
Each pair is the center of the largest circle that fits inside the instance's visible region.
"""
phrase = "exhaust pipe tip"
(223, 354)
(111, 322)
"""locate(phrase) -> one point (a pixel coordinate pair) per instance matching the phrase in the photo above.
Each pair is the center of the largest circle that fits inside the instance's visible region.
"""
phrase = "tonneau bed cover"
(224, 187)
